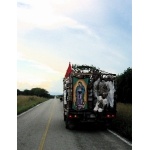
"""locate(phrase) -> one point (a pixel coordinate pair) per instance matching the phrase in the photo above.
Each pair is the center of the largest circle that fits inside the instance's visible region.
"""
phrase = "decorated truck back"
(88, 96)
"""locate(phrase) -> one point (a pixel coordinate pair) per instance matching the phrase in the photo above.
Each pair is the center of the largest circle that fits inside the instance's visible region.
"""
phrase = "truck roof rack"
(89, 70)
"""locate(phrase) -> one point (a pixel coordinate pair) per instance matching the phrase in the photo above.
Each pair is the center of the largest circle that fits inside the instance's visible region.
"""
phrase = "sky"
(52, 33)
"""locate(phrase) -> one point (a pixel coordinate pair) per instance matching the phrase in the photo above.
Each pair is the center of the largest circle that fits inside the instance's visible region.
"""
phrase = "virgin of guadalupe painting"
(80, 93)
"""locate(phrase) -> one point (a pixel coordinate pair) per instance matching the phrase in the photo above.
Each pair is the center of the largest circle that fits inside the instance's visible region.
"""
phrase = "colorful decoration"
(88, 87)
(80, 93)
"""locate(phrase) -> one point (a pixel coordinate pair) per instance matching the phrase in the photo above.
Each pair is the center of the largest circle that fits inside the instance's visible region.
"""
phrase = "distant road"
(43, 128)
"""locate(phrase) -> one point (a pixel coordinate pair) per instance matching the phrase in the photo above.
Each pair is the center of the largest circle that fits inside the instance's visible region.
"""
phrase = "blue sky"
(52, 33)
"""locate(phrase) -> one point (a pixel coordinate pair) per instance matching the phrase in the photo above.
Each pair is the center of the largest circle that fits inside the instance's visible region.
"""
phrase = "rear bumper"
(90, 117)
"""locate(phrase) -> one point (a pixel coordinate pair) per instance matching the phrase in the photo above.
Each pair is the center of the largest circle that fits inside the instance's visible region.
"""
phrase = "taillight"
(75, 116)
(70, 116)
(113, 116)
(108, 116)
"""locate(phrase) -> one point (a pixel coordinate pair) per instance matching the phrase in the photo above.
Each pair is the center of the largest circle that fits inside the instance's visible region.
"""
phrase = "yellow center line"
(46, 129)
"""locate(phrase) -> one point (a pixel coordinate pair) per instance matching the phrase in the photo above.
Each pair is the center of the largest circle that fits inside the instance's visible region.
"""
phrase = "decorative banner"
(80, 93)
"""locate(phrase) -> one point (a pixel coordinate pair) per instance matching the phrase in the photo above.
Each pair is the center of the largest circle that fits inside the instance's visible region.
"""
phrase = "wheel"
(69, 124)
(64, 117)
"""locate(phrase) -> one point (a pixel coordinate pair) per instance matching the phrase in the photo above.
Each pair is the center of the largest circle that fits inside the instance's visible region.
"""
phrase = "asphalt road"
(43, 128)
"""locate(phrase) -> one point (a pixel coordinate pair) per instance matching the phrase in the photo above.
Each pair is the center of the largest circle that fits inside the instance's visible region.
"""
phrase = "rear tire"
(69, 124)
(64, 117)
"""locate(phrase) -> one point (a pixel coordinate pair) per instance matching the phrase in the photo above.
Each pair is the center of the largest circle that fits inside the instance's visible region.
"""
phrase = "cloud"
(30, 84)
(45, 16)
(41, 57)
(38, 65)
(31, 73)
(23, 5)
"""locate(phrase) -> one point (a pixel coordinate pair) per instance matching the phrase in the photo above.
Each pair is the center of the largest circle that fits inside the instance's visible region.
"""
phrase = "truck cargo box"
(88, 95)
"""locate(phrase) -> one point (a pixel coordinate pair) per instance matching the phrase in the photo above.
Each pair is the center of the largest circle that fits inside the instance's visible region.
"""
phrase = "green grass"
(26, 102)
(123, 122)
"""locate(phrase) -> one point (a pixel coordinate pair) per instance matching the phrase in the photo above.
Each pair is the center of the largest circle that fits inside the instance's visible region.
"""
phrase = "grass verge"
(123, 122)
(26, 102)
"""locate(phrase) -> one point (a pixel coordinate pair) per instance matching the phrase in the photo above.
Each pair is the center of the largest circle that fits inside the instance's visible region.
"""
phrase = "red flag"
(68, 71)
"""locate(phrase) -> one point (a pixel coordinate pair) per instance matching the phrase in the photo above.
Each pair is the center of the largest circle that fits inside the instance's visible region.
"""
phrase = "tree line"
(123, 86)
(35, 91)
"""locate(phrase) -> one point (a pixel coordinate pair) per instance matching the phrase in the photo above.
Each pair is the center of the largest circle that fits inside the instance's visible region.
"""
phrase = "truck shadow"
(88, 127)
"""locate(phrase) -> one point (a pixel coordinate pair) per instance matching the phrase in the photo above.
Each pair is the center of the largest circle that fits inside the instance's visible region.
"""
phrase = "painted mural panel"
(80, 93)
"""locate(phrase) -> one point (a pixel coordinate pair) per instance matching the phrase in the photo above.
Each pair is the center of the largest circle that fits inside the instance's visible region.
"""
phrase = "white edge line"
(121, 138)
(30, 109)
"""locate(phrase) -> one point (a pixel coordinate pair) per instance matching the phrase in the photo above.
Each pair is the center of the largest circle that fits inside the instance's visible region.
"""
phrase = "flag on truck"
(69, 70)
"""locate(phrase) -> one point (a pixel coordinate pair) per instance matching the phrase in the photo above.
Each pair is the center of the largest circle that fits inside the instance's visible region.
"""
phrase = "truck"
(88, 96)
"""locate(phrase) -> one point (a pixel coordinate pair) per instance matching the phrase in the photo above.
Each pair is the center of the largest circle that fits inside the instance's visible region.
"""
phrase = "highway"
(43, 128)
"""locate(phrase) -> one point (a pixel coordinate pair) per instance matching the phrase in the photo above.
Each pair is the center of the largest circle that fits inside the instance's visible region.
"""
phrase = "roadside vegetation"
(123, 86)
(29, 98)
(123, 122)
(26, 102)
